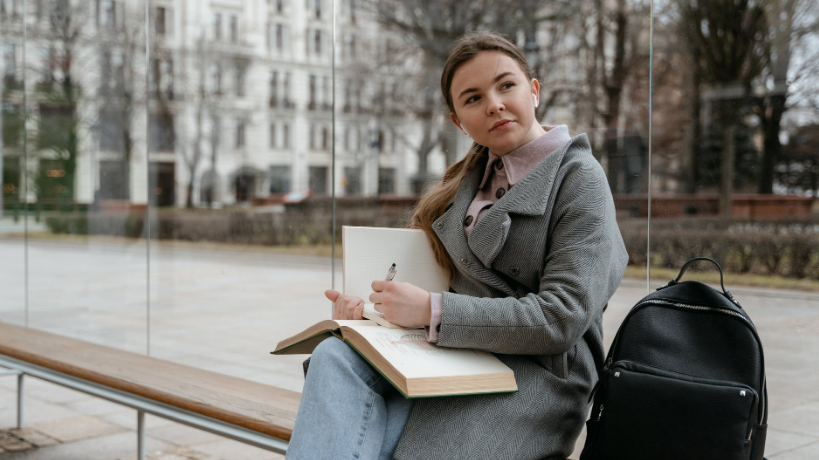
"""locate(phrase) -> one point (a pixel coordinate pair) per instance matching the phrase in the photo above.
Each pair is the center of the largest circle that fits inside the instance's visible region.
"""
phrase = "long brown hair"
(435, 200)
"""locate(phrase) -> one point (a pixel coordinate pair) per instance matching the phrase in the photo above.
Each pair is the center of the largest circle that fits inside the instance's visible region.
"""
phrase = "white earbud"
(534, 96)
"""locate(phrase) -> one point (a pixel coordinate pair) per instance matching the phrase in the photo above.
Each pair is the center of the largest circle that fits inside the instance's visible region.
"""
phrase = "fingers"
(331, 295)
(358, 312)
(380, 285)
(353, 307)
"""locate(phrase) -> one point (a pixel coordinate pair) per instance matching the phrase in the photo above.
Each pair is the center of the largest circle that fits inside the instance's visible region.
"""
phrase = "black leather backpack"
(684, 379)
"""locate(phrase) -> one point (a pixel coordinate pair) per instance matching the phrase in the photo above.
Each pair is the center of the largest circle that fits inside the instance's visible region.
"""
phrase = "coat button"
(463, 261)
(440, 224)
(515, 271)
(499, 164)
(467, 221)
(500, 193)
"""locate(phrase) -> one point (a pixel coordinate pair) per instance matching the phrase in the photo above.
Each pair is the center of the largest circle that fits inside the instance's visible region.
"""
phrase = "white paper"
(370, 251)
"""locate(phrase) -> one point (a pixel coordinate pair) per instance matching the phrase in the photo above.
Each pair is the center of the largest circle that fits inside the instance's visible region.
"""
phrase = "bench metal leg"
(21, 400)
(140, 435)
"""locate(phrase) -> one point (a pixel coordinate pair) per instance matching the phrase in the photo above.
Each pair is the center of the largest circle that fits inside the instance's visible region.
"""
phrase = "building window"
(312, 136)
(163, 77)
(279, 37)
(386, 181)
(325, 138)
(164, 21)
(113, 180)
(110, 131)
(325, 93)
(163, 137)
(240, 133)
(280, 6)
(272, 135)
(273, 101)
(318, 8)
(108, 14)
(287, 101)
(9, 64)
(317, 180)
(279, 179)
(217, 26)
(234, 29)
(286, 136)
(216, 78)
(317, 42)
(311, 104)
(352, 180)
(239, 78)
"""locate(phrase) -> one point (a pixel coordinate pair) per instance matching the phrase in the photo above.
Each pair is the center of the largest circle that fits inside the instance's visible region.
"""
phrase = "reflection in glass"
(240, 144)
(12, 166)
(84, 74)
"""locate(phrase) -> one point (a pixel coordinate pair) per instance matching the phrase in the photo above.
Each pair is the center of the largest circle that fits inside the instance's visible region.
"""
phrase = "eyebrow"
(473, 90)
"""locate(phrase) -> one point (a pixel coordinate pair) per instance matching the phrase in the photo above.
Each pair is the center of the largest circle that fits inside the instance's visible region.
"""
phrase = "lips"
(500, 123)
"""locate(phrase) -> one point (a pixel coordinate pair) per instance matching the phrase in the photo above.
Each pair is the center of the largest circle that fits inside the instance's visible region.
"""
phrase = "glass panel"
(85, 87)
(239, 250)
(12, 166)
(735, 173)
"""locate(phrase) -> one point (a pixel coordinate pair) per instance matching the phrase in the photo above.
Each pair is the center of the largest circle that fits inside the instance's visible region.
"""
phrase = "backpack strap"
(722, 284)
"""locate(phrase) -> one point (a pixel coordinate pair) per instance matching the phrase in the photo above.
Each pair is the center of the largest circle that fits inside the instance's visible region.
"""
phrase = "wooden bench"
(250, 412)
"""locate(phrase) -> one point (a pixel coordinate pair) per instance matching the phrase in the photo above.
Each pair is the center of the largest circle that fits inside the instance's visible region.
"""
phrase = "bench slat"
(243, 403)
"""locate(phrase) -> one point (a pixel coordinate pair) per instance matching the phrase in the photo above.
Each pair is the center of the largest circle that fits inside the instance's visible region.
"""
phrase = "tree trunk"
(726, 183)
(692, 181)
(771, 144)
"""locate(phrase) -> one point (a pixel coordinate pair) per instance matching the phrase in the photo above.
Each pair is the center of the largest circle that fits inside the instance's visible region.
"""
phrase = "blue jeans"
(347, 410)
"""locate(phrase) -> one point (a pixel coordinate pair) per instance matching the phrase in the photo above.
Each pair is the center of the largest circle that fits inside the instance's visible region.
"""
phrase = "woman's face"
(495, 102)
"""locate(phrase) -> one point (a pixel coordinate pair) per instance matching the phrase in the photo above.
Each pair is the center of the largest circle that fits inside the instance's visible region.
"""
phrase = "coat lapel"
(529, 197)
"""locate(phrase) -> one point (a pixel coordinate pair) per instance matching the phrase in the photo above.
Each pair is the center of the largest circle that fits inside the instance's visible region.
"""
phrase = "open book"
(414, 366)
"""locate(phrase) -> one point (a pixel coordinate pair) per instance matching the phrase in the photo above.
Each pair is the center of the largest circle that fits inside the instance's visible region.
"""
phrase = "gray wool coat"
(530, 286)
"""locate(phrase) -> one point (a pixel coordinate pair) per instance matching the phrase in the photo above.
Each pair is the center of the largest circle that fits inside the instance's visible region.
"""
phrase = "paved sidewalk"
(224, 310)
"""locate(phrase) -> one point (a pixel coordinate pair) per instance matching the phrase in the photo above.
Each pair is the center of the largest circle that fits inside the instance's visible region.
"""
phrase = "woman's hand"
(345, 306)
(402, 304)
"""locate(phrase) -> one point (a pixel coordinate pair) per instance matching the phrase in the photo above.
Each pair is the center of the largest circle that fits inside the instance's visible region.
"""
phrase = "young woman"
(525, 225)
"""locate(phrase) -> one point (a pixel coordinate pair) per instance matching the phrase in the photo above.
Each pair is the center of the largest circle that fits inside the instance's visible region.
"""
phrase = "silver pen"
(390, 273)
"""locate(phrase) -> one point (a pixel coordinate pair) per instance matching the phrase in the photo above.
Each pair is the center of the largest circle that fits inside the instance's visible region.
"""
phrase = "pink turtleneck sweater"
(500, 175)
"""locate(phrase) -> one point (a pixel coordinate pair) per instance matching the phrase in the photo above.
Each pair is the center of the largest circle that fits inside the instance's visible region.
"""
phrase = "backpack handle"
(721, 283)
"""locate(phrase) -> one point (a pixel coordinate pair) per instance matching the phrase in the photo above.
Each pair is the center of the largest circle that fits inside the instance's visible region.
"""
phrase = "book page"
(411, 354)
(369, 252)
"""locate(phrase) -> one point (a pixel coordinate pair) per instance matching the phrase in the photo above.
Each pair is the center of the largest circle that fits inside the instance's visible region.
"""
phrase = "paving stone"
(128, 419)
(96, 406)
(12, 443)
(121, 445)
(808, 452)
(180, 453)
(780, 441)
(34, 437)
(182, 435)
(229, 449)
(68, 430)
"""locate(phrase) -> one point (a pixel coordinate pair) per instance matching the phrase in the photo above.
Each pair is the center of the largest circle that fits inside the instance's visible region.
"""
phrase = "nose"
(494, 104)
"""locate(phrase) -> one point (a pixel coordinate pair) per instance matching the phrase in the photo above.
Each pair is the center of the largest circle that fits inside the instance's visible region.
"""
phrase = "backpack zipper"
(702, 308)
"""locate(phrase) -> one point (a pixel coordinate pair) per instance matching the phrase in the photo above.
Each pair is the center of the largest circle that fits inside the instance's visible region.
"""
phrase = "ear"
(536, 88)
(456, 122)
